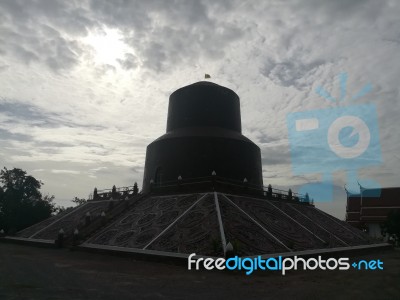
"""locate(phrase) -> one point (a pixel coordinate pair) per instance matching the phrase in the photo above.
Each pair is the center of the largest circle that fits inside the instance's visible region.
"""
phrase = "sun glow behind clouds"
(108, 45)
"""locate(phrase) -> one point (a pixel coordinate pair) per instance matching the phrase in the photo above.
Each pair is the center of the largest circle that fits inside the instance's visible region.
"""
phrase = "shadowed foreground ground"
(35, 273)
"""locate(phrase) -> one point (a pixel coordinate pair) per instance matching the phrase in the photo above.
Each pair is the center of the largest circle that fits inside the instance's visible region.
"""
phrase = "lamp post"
(103, 217)
(75, 237)
(229, 251)
(87, 218)
(60, 238)
(179, 181)
(245, 184)
(213, 174)
(361, 199)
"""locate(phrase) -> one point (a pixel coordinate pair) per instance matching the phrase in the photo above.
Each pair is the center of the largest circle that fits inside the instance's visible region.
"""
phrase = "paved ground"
(35, 273)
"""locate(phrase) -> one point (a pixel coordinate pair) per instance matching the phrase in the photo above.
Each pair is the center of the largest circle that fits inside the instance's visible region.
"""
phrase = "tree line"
(22, 203)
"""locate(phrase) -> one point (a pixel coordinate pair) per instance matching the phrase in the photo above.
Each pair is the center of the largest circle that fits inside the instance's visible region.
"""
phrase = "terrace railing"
(208, 183)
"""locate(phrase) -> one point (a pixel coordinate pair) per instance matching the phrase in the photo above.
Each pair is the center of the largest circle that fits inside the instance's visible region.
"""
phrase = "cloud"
(129, 62)
(65, 172)
(25, 112)
(40, 41)
(192, 31)
(275, 155)
(290, 72)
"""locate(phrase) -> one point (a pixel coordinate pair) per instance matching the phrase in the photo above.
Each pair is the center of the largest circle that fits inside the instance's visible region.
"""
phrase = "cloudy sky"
(84, 85)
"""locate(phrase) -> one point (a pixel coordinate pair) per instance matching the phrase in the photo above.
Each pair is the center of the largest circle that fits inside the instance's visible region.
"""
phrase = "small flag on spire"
(206, 76)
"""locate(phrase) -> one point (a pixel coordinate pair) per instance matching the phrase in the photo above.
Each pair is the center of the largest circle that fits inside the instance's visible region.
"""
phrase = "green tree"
(307, 198)
(114, 193)
(21, 202)
(135, 188)
(392, 224)
(79, 201)
(269, 191)
(290, 194)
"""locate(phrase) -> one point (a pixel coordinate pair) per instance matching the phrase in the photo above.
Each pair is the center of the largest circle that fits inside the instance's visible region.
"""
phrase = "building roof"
(372, 205)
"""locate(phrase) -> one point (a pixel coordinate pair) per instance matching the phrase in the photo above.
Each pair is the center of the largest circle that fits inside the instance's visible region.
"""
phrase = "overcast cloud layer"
(84, 85)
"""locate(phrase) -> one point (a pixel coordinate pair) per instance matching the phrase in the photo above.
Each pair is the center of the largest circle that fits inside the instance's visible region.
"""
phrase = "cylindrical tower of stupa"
(203, 135)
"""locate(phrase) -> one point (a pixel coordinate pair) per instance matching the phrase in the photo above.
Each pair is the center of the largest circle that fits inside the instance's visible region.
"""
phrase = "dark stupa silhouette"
(204, 134)
(202, 189)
